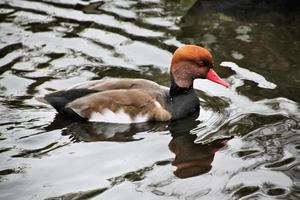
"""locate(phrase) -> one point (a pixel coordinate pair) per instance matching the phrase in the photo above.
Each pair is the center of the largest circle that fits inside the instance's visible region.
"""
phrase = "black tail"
(61, 98)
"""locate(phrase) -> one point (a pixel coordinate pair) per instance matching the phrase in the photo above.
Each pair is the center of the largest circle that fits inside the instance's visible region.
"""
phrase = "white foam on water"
(249, 75)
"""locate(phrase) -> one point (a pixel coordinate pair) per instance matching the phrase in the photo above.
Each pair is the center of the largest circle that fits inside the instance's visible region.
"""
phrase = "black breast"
(183, 105)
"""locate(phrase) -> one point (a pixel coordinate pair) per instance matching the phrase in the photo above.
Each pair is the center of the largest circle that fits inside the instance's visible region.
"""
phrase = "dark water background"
(46, 45)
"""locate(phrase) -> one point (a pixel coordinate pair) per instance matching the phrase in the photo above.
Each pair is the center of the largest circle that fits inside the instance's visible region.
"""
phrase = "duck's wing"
(118, 83)
(61, 98)
(121, 106)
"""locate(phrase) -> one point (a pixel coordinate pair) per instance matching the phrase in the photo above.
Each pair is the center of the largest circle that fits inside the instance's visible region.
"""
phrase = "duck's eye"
(207, 63)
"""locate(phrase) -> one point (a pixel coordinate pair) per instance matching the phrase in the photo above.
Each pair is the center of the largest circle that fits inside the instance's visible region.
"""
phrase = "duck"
(135, 100)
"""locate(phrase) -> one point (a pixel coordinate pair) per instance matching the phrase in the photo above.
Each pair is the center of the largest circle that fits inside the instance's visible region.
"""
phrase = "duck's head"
(190, 62)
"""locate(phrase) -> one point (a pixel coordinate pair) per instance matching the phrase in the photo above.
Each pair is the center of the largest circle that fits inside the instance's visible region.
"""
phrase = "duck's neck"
(182, 101)
(176, 90)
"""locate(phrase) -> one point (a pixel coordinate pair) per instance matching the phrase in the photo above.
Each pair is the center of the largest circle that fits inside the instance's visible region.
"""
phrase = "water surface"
(244, 143)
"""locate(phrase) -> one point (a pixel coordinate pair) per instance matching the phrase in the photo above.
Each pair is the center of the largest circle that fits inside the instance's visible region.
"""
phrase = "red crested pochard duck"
(124, 100)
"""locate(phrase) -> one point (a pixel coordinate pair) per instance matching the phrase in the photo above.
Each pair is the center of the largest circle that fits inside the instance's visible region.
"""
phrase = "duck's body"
(138, 100)
(123, 101)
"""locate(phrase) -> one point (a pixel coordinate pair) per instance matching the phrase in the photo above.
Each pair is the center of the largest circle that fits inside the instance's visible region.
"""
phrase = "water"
(244, 144)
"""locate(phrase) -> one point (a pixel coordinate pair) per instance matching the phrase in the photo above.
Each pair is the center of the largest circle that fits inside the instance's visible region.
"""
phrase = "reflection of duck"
(191, 159)
(97, 131)
(140, 100)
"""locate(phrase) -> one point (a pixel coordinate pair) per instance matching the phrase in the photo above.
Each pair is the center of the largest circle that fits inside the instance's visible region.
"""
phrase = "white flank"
(140, 118)
(157, 104)
(119, 117)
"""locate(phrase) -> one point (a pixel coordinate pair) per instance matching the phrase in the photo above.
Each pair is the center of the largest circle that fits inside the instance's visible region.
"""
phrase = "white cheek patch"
(119, 117)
